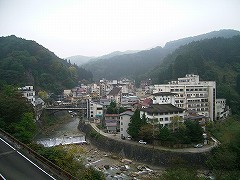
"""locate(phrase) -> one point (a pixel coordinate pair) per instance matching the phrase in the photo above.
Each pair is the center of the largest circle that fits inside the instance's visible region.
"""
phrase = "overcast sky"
(98, 27)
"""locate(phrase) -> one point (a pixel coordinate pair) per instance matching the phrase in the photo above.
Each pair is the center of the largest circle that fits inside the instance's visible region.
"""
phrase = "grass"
(226, 130)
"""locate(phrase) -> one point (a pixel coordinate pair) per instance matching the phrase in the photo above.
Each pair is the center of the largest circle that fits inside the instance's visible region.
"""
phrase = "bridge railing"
(51, 167)
(65, 108)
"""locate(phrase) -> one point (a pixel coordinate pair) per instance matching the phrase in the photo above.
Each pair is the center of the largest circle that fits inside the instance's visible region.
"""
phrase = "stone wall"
(141, 153)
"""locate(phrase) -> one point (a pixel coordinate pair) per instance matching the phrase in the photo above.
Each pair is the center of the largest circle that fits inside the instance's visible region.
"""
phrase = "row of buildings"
(186, 98)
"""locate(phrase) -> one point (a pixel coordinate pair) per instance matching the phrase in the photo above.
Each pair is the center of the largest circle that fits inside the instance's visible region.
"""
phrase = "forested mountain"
(226, 33)
(127, 65)
(80, 60)
(216, 59)
(116, 53)
(24, 62)
(135, 65)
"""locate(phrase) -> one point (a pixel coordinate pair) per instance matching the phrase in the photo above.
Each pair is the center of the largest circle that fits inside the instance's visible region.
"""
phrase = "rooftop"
(162, 108)
(164, 94)
(115, 91)
(130, 113)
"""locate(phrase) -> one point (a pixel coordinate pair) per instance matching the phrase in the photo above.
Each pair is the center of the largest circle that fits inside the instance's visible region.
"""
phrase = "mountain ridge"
(80, 60)
(24, 62)
(216, 59)
(134, 65)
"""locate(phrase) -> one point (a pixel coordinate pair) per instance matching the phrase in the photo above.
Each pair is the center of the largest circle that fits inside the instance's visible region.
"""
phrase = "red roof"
(147, 102)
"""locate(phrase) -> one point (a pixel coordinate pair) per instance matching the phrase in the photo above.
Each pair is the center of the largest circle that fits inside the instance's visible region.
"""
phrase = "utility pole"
(153, 125)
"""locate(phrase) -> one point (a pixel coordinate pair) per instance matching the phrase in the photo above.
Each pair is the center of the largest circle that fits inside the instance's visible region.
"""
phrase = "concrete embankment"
(143, 154)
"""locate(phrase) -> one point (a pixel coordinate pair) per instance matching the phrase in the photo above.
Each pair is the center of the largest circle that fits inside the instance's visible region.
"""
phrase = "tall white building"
(124, 121)
(192, 94)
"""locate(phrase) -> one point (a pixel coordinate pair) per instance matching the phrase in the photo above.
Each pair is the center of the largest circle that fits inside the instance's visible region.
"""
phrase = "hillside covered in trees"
(24, 62)
(136, 64)
(127, 65)
(216, 59)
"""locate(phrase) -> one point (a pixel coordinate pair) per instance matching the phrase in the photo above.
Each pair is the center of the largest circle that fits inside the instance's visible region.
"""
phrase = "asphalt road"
(205, 148)
(14, 165)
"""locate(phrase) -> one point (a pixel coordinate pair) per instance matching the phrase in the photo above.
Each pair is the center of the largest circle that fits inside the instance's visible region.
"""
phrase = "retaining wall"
(141, 153)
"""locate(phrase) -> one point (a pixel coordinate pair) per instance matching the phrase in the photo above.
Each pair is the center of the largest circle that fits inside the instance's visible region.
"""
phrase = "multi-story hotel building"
(192, 94)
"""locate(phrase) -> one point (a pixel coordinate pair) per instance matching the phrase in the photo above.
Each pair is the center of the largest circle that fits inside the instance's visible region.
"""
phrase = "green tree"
(223, 158)
(135, 124)
(238, 83)
(144, 119)
(114, 109)
(26, 128)
(111, 109)
(194, 131)
(12, 108)
(181, 135)
(164, 134)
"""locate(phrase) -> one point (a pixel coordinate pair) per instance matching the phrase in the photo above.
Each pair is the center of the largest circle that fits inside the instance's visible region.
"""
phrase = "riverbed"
(110, 164)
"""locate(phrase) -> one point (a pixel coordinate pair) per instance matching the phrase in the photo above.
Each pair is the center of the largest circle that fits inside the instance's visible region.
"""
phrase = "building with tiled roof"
(162, 113)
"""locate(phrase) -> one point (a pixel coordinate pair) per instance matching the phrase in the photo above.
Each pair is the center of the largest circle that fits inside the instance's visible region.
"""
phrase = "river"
(117, 168)
(63, 133)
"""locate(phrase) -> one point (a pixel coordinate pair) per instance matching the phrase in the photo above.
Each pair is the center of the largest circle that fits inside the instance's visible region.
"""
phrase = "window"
(166, 118)
(121, 123)
(121, 129)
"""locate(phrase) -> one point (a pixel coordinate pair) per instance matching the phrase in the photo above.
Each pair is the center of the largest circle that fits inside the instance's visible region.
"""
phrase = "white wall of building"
(163, 119)
(163, 99)
(96, 110)
(29, 93)
(192, 94)
(124, 121)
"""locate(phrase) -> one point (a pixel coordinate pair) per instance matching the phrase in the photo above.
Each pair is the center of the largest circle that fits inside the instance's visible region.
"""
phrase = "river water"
(65, 133)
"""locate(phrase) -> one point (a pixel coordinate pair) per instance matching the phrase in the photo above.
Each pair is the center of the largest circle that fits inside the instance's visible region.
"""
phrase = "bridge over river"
(65, 108)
